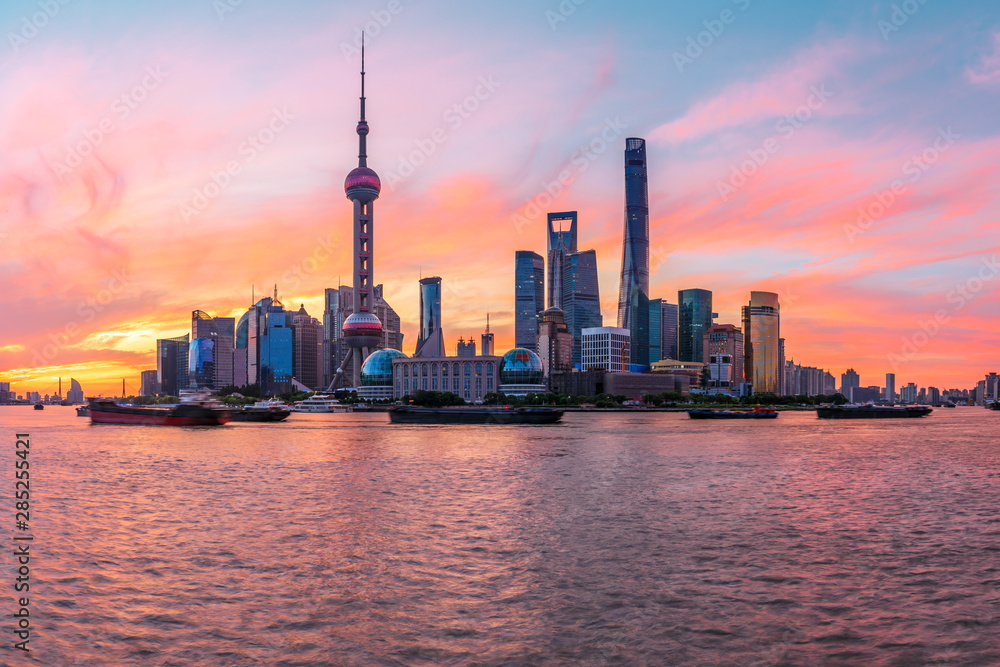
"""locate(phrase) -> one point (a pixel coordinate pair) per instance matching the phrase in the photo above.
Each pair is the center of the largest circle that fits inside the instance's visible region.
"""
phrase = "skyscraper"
(221, 331)
(430, 342)
(306, 348)
(633, 294)
(555, 343)
(172, 364)
(655, 330)
(362, 331)
(849, 380)
(764, 320)
(694, 319)
(581, 298)
(668, 331)
(561, 242)
(331, 334)
(890, 387)
(529, 297)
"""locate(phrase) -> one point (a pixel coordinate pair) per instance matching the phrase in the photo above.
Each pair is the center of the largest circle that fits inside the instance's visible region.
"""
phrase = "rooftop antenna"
(487, 322)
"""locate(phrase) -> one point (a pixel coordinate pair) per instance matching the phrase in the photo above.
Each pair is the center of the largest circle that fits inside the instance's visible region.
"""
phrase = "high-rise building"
(466, 349)
(781, 366)
(848, 381)
(529, 297)
(655, 331)
(607, 349)
(331, 334)
(555, 343)
(487, 339)
(695, 318)
(992, 392)
(147, 384)
(581, 298)
(908, 394)
(172, 364)
(764, 322)
(75, 393)
(668, 331)
(219, 354)
(430, 342)
(723, 350)
(890, 387)
(307, 348)
(561, 242)
(633, 292)
(362, 331)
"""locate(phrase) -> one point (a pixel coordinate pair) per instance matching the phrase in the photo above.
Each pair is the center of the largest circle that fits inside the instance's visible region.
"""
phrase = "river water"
(612, 538)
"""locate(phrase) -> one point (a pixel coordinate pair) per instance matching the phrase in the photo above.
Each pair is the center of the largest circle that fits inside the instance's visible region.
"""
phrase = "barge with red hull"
(185, 414)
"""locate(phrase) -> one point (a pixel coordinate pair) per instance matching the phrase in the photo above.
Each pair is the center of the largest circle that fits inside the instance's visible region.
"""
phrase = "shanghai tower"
(633, 294)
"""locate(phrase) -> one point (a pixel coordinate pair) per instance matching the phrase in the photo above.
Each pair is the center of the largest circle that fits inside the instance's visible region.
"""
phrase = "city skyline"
(853, 290)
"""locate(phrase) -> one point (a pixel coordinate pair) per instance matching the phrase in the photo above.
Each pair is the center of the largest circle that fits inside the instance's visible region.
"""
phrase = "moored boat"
(320, 403)
(262, 411)
(756, 413)
(474, 415)
(872, 411)
(39, 406)
(83, 411)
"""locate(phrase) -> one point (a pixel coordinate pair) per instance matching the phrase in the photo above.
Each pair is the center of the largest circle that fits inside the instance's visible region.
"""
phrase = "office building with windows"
(607, 349)
(529, 297)
(694, 307)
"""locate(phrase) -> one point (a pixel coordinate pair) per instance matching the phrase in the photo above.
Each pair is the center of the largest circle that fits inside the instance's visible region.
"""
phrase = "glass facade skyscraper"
(581, 297)
(633, 294)
(201, 363)
(764, 321)
(655, 330)
(430, 342)
(694, 320)
(172, 364)
(668, 331)
(529, 297)
(561, 242)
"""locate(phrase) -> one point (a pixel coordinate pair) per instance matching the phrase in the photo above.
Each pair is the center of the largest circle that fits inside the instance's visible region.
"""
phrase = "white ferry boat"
(320, 403)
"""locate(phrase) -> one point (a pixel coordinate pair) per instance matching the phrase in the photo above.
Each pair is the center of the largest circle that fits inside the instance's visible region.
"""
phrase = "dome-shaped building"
(376, 375)
(521, 373)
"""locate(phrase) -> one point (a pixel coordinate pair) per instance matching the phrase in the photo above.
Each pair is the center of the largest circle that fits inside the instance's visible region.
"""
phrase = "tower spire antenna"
(362, 123)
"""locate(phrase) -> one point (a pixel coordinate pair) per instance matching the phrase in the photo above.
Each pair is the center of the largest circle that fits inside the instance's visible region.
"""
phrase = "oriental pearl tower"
(362, 331)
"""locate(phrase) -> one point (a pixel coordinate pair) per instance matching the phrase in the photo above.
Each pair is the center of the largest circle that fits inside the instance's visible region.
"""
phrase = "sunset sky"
(766, 142)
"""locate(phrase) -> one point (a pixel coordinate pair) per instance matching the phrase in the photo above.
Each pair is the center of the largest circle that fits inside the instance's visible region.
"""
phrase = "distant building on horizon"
(212, 350)
(430, 342)
(890, 387)
(633, 291)
(529, 297)
(488, 344)
(694, 320)
(75, 393)
(668, 330)
(848, 380)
